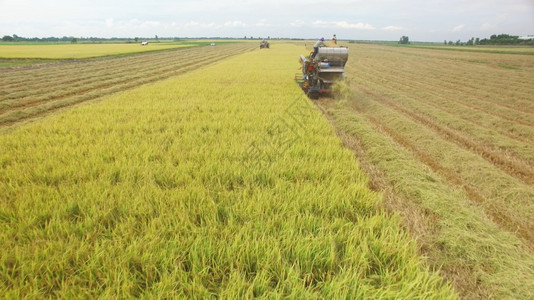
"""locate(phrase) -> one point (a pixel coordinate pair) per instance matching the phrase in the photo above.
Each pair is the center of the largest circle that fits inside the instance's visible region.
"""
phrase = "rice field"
(448, 137)
(30, 92)
(81, 50)
(223, 181)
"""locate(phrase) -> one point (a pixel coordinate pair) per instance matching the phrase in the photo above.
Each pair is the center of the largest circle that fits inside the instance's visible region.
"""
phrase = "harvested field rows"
(27, 93)
(81, 50)
(451, 134)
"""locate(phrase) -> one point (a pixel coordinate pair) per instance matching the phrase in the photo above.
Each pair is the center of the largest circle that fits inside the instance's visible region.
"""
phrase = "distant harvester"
(144, 43)
(319, 73)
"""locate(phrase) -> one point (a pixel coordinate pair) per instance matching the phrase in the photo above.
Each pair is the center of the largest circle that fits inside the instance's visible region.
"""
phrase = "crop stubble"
(467, 122)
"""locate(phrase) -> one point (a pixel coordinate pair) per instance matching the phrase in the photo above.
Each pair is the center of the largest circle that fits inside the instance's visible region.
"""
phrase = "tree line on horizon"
(501, 39)
(16, 38)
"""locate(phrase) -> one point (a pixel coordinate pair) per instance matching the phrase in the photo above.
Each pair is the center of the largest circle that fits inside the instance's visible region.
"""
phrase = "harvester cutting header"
(324, 66)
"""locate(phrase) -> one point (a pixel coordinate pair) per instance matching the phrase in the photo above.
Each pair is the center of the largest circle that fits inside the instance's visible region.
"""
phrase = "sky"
(420, 20)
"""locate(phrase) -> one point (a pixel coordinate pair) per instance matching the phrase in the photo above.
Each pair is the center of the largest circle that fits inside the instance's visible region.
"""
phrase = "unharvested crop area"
(448, 137)
(77, 51)
(33, 91)
(225, 182)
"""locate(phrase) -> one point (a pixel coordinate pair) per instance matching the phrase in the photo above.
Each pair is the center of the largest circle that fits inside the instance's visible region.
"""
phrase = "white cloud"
(109, 22)
(150, 24)
(235, 24)
(392, 28)
(487, 26)
(343, 24)
(297, 23)
(351, 19)
(193, 24)
(458, 28)
(262, 23)
(132, 24)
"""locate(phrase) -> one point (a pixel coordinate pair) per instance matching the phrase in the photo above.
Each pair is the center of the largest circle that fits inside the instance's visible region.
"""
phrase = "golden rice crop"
(224, 182)
(66, 51)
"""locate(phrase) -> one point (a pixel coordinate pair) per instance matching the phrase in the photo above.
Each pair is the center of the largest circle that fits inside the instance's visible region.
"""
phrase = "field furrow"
(99, 81)
(497, 214)
(506, 161)
(102, 66)
(460, 78)
(500, 139)
(495, 189)
(74, 71)
(469, 97)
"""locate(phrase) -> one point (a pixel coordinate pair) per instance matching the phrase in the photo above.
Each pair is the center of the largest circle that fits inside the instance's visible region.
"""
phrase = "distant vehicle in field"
(320, 72)
(212, 44)
(264, 44)
(144, 43)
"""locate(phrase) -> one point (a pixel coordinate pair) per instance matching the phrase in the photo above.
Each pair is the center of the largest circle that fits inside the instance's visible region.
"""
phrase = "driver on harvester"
(319, 43)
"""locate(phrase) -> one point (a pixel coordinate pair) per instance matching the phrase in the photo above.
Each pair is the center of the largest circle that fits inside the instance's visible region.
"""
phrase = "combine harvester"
(264, 44)
(320, 73)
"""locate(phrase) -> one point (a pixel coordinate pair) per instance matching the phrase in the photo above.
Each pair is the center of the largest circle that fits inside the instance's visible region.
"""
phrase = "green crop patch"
(509, 67)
